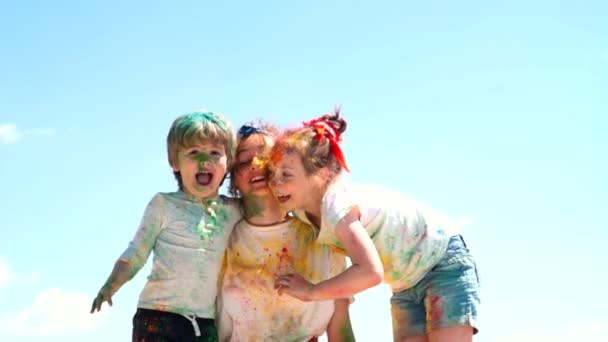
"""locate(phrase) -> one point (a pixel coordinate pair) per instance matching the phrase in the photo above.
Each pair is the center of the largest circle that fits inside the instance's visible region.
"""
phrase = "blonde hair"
(199, 127)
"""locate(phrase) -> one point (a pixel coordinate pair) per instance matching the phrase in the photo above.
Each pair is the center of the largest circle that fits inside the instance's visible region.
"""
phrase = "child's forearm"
(339, 328)
(119, 276)
(353, 280)
(366, 269)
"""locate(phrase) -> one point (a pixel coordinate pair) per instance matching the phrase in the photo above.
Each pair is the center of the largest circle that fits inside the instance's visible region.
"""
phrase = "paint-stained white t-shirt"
(250, 308)
(409, 238)
(189, 238)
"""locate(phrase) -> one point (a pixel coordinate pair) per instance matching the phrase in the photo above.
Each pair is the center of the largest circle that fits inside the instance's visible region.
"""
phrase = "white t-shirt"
(189, 238)
(250, 309)
(409, 238)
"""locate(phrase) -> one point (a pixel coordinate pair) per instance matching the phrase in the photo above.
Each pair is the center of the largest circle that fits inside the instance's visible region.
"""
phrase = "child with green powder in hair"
(188, 231)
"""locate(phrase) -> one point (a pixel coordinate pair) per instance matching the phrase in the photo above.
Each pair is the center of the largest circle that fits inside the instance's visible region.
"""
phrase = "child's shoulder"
(171, 199)
(159, 197)
(299, 224)
(160, 200)
(365, 196)
(230, 202)
(168, 196)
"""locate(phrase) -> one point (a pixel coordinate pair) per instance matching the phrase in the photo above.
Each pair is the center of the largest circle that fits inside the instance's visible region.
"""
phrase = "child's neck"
(313, 210)
(199, 199)
(314, 219)
(262, 210)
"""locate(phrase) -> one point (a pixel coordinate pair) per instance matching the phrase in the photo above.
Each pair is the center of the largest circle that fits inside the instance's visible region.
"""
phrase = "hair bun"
(335, 121)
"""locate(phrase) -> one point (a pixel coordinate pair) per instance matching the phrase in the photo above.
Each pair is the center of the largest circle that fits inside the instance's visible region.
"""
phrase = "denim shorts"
(447, 296)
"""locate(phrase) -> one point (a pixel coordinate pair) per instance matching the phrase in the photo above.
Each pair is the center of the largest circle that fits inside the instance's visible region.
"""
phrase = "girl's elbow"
(376, 276)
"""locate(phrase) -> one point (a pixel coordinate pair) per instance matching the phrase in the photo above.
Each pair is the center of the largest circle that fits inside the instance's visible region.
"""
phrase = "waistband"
(196, 321)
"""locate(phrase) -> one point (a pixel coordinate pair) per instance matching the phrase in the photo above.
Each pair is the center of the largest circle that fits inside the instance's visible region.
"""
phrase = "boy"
(188, 231)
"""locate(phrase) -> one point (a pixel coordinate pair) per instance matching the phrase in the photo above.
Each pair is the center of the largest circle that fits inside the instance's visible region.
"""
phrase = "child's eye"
(244, 163)
(216, 153)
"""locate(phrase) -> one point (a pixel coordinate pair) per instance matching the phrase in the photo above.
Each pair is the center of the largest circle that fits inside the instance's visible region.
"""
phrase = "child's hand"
(104, 295)
(296, 286)
(120, 275)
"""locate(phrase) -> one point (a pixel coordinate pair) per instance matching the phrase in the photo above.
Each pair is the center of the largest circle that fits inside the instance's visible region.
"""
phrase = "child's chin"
(287, 207)
(203, 191)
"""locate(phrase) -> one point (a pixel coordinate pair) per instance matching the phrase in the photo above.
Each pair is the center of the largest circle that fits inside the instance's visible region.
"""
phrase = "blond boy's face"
(202, 168)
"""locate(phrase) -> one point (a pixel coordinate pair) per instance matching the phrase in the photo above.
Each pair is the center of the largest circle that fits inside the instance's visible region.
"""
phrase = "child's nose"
(275, 182)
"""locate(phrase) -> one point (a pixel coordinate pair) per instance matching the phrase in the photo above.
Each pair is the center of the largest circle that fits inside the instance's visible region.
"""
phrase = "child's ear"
(173, 163)
(324, 174)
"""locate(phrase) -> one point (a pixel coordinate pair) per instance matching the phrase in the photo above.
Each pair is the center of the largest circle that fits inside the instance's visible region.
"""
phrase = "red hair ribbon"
(324, 129)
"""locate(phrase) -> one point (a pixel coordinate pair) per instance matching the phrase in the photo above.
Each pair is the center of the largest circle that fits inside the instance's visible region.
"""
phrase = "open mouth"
(204, 178)
(258, 179)
(283, 198)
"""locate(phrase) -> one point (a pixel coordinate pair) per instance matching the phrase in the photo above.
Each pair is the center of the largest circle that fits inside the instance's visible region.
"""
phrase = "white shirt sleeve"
(337, 202)
(141, 246)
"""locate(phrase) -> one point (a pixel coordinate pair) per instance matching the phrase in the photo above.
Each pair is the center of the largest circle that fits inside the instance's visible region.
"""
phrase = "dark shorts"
(447, 296)
(162, 326)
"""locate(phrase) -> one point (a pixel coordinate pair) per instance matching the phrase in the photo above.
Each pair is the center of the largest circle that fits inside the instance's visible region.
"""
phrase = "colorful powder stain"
(434, 309)
(252, 267)
(255, 205)
(284, 265)
(218, 216)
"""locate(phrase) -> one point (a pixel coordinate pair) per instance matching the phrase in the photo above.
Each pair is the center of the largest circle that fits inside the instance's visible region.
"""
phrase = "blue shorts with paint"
(447, 296)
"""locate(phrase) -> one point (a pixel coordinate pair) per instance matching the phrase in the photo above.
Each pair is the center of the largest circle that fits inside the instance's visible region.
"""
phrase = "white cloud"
(10, 134)
(585, 332)
(8, 277)
(54, 312)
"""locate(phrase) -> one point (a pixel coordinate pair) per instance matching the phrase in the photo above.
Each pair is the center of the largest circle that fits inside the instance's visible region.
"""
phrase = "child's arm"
(224, 322)
(120, 275)
(339, 328)
(223, 319)
(135, 256)
(365, 271)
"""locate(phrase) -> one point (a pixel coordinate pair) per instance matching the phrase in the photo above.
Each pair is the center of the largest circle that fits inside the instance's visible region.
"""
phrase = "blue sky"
(492, 113)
